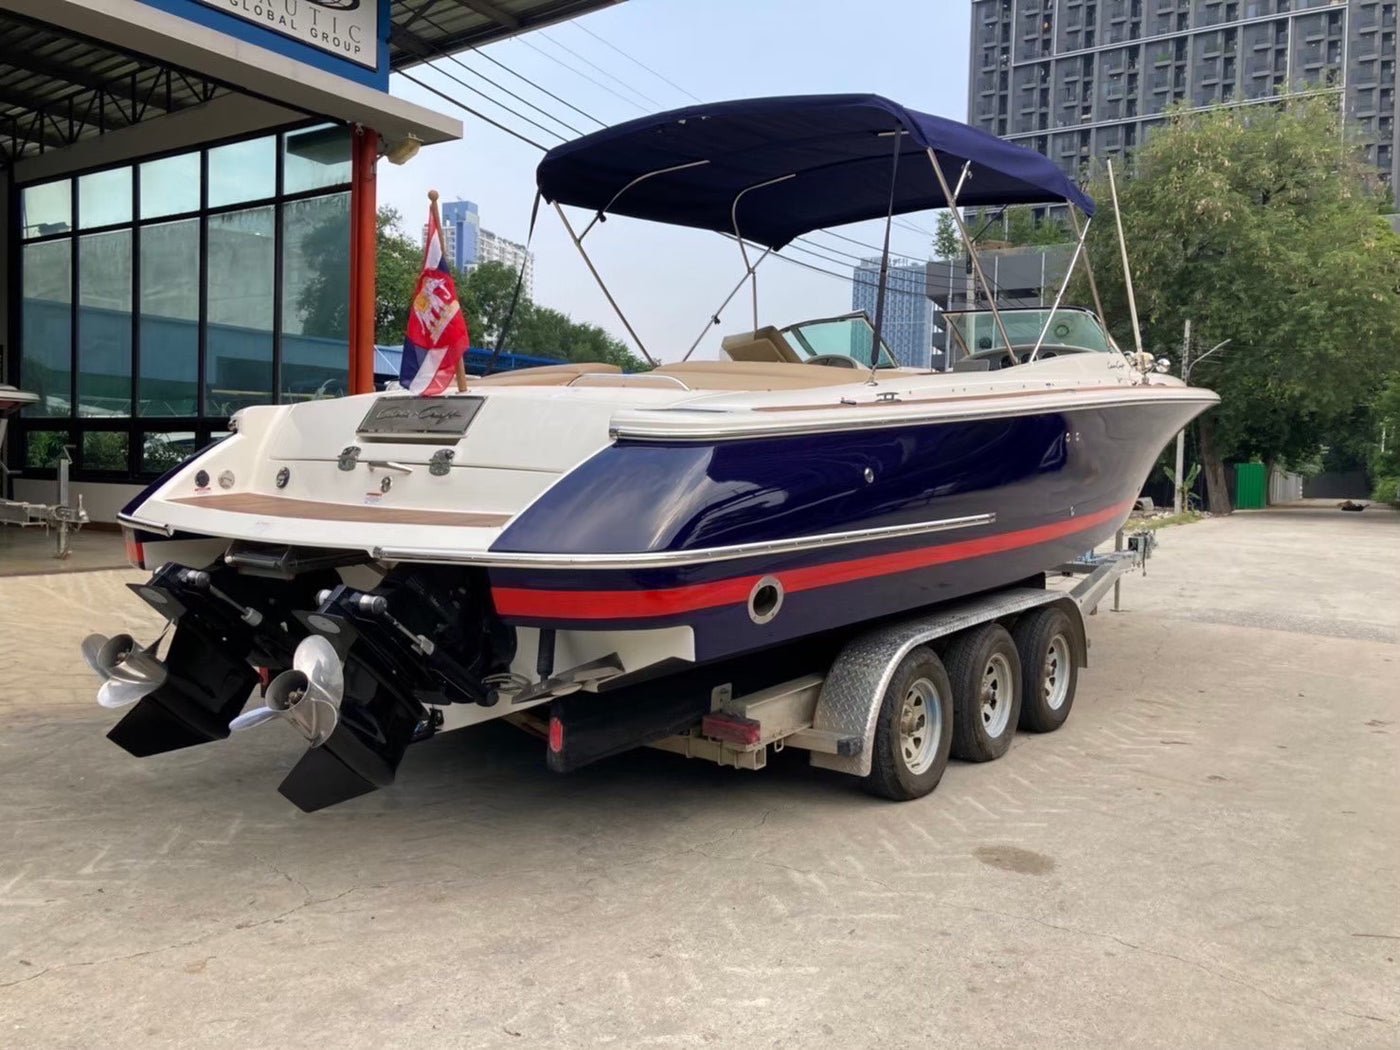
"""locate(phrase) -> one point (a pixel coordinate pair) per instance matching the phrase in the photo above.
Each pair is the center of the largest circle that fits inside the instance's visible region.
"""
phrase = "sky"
(668, 280)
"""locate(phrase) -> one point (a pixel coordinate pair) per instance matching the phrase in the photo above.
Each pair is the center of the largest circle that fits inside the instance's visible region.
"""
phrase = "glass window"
(161, 451)
(170, 186)
(169, 319)
(104, 324)
(46, 326)
(42, 448)
(104, 198)
(315, 159)
(47, 209)
(238, 366)
(105, 450)
(315, 297)
(243, 171)
(847, 336)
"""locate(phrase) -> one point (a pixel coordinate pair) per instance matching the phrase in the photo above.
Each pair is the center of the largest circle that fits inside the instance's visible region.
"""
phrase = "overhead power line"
(594, 65)
(635, 61)
(421, 14)
(579, 73)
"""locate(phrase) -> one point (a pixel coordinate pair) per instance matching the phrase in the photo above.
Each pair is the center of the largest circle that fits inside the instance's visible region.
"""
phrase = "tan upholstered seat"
(545, 375)
(766, 344)
(757, 375)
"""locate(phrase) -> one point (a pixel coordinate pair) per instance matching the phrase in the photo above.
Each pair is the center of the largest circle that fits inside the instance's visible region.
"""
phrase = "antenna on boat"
(442, 244)
(884, 260)
(1127, 270)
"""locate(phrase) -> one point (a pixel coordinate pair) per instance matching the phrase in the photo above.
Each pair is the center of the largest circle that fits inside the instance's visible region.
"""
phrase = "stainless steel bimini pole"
(602, 212)
(749, 268)
(1127, 270)
(1069, 273)
(714, 317)
(611, 301)
(971, 248)
(1088, 264)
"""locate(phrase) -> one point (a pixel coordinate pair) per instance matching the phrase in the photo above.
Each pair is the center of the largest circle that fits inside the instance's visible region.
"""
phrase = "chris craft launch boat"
(397, 565)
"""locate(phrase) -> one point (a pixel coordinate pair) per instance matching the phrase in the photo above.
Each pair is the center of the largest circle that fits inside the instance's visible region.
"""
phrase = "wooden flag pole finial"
(442, 242)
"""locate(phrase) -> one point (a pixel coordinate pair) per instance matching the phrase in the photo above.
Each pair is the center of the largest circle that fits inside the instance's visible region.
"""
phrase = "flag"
(437, 331)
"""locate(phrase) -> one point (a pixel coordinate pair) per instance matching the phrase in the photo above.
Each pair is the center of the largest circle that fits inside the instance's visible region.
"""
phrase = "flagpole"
(442, 243)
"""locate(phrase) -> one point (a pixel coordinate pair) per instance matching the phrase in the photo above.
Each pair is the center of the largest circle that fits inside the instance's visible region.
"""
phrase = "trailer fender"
(849, 703)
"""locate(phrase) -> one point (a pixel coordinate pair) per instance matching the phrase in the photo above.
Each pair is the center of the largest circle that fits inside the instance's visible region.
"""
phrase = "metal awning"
(71, 72)
(57, 88)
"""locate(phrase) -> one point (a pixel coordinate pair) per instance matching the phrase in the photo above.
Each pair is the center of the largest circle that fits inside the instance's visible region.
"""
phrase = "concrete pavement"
(1207, 855)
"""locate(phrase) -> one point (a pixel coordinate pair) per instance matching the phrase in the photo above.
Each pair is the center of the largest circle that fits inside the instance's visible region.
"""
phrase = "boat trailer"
(62, 517)
(836, 712)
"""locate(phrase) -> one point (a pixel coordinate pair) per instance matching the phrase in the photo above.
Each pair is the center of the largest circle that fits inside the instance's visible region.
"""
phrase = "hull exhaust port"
(765, 600)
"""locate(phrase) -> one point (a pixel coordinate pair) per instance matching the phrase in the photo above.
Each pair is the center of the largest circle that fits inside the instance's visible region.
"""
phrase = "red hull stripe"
(671, 601)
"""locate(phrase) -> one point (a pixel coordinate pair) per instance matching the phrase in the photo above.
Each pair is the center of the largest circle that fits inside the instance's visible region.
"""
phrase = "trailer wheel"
(913, 731)
(1045, 640)
(986, 674)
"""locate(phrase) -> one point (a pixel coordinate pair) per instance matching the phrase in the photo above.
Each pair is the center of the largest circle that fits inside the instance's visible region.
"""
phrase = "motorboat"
(390, 566)
(12, 400)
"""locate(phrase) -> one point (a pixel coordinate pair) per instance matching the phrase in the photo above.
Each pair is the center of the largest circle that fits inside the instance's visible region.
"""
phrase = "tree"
(947, 244)
(1260, 225)
(398, 265)
(486, 294)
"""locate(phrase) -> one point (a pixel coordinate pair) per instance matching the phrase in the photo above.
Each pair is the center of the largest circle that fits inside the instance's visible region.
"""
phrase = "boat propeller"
(308, 696)
(128, 671)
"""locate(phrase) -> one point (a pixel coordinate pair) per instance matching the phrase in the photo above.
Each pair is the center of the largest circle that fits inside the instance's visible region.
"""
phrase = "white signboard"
(346, 28)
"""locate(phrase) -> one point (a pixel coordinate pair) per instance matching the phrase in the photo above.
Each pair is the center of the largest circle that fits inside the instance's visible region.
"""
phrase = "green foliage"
(1191, 476)
(398, 265)
(485, 295)
(1018, 226)
(43, 447)
(1385, 456)
(1262, 227)
(947, 245)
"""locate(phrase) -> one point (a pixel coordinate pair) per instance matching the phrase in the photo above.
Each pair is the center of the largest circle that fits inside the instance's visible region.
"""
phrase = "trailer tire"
(1045, 639)
(985, 670)
(914, 729)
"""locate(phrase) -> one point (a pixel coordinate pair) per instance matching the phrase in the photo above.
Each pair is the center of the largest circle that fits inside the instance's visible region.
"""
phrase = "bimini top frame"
(767, 170)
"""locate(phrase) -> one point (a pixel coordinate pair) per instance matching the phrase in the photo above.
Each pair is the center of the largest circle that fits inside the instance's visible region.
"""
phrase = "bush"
(1387, 490)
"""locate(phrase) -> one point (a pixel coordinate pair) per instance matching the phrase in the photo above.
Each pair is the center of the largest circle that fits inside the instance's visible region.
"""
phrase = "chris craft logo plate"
(419, 418)
(346, 28)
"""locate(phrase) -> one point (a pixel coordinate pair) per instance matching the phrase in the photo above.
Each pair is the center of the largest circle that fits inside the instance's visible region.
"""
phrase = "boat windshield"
(977, 330)
(850, 335)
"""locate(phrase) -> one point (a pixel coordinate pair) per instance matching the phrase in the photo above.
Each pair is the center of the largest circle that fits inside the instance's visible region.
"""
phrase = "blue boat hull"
(1056, 485)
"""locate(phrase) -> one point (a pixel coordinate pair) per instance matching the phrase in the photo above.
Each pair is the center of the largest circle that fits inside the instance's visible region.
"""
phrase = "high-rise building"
(1081, 79)
(906, 325)
(491, 248)
(461, 226)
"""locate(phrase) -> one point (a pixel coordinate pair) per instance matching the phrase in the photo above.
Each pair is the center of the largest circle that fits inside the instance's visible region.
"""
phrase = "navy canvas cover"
(838, 148)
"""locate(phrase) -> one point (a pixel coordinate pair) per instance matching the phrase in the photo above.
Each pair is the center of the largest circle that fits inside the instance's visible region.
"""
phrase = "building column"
(363, 247)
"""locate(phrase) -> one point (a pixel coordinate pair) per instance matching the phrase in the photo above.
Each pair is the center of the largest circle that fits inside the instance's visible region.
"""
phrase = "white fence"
(1284, 487)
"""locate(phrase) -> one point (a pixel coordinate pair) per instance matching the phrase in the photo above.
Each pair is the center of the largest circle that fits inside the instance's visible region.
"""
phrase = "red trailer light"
(556, 735)
(732, 729)
(135, 552)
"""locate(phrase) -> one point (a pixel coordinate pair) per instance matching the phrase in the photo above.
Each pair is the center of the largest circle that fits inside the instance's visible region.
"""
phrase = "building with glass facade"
(907, 323)
(1079, 79)
(159, 297)
(189, 204)
(461, 228)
